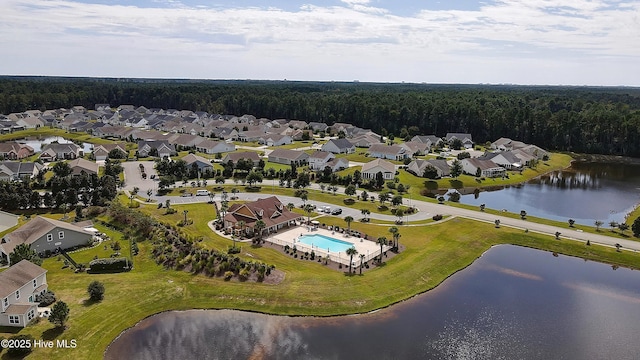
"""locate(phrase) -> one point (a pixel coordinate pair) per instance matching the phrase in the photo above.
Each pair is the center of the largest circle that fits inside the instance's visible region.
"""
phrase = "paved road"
(426, 210)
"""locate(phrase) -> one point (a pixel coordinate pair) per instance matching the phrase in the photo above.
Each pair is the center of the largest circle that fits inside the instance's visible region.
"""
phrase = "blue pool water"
(325, 242)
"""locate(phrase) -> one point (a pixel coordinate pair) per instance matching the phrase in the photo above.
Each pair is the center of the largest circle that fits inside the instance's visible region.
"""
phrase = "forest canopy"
(602, 120)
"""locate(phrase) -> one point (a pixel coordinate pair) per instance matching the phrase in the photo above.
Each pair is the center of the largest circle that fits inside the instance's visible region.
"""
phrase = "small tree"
(96, 291)
(350, 190)
(456, 169)
(59, 314)
(635, 227)
(598, 223)
(523, 214)
(557, 235)
(497, 223)
(571, 222)
(24, 252)
(623, 227)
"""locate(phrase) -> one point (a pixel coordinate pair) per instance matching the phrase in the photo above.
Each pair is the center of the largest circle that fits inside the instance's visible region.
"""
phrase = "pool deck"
(290, 237)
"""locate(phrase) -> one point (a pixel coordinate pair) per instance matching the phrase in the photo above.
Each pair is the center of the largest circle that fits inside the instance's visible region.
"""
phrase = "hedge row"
(110, 265)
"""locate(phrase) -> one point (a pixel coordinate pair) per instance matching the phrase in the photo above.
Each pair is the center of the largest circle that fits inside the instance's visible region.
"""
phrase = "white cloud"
(519, 41)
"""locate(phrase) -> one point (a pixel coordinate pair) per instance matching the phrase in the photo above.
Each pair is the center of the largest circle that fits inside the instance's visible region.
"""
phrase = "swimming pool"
(325, 242)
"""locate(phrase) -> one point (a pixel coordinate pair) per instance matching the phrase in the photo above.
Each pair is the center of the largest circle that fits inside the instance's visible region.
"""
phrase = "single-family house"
(318, 126)
(372, 168)
(161, 147)
(484, 168)
(365, 140)
(466, 139)
(195, 160)
(418, 166)
(415, 148)
(45, 235)
(12, 150)
(275, 140)
(535, 151)
(54, 152)
(288, 157)
(14, 170)
(337, 164)
(19, 286)
(390, 152)
(79, 165)
(319, 159)
(271, 211)
(506, 159)
(30, 122)
(339, 146)
(101, 152)
(430, 140)
(214, 147)
(246, 155)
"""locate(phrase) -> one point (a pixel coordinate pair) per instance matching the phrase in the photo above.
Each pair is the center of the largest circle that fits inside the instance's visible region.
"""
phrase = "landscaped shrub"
(437, 217)
(45, 299)
(252, 189)
(96, 291)
(170, 211)
(228, 275)
(349, 201)
(109, 265)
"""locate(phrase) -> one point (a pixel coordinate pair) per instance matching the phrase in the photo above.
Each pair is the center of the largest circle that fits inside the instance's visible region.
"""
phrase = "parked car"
(336, 211)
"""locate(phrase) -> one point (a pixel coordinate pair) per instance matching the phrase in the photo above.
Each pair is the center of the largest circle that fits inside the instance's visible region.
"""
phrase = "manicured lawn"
(294, 145)
(45, 131)
(432, 254)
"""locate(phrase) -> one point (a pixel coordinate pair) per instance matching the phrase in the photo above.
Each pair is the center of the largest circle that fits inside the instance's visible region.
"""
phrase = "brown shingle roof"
(17, 276)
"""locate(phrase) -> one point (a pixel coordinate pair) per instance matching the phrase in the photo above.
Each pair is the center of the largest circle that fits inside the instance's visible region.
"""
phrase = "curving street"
(426, 210)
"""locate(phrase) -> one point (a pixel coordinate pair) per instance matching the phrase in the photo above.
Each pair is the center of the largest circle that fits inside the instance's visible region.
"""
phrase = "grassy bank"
(432, 253)
(46, 131)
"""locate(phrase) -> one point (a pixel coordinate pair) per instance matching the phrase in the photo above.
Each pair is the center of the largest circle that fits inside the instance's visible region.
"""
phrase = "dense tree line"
(581, 119)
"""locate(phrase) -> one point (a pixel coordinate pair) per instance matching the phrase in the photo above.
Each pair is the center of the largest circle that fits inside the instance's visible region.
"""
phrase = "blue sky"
(557, 42)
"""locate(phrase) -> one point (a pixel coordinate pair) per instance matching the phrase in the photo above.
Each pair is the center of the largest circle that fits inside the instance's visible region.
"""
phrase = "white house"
(19, 286)
(487, 167)
(372, 168)
(390, 152)
(214, 147)
(319, 159)
(339, 146)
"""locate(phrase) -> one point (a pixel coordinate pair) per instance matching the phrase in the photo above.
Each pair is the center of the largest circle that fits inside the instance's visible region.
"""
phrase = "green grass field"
(431, 254)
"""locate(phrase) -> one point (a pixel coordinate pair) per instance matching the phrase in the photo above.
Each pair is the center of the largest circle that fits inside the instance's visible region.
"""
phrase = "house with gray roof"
(372, 168)
(236, 156)
(339, 146)
(466, 139)
(506, 159)
(45, 235)
(484, 168)
(418, 166)
(288, 157)
(55, 152)
(214, 147)
(162, 147)
(390, 152)
(79, 165)
(19, 286)
(203, 164)
(319, 159)
(14, 170)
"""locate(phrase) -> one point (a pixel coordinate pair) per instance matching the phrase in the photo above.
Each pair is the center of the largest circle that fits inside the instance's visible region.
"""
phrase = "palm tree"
(613, 225)
(241, 224)
(482, 206)
(497, 222)
(185, 212)
(361, 261)
(259, 226)
(382, 241)
(571, 222)
(351, 251)
(235, 191)
(308, 209)
(348, 220)
(149, 193)
(557, 235)
(523, 214)
(396, 235)
(290, 206)
(322, 187)
(365, 212)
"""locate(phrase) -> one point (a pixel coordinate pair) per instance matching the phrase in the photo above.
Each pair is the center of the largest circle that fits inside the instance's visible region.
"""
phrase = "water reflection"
(586, 192)
(37, 144)
(512, 303)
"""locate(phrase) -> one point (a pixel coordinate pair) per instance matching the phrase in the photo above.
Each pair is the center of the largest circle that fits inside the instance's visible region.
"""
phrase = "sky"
(528, 42)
